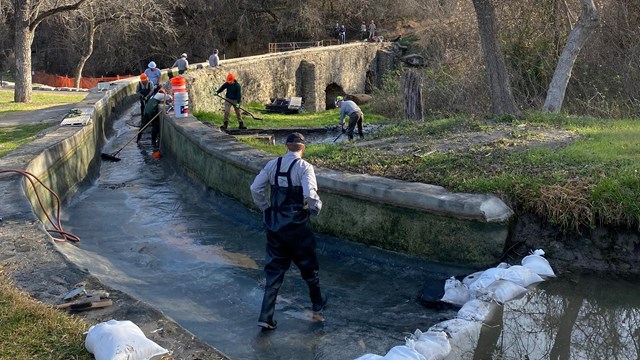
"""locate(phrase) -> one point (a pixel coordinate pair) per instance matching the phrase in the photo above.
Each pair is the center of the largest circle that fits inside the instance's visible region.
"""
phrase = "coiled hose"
(57, 225)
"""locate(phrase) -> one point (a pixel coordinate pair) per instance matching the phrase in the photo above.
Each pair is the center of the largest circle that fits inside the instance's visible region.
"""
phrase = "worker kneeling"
(151, 111)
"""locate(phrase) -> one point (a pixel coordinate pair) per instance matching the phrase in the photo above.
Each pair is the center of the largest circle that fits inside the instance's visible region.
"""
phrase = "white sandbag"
(433, 345)
(487, 278)
(369, 357)
(120, 340)
(463, 336)
(469, 279)
(521, 275)
(477, 310)
(538, 264)
(502, 291)
(455, 292)
(403, 352)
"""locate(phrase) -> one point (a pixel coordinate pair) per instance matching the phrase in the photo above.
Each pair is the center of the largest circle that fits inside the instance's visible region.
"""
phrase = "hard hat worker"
(153, 73)
(182, 64)
(233, 96)
(144, 89)
(356, 117)
(294, 197)
(151, 109)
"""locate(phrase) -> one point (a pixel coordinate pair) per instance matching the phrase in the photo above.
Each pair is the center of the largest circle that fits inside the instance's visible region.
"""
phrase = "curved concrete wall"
(413, 218)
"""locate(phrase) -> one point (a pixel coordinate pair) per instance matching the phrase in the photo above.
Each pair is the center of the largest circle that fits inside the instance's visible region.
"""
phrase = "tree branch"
(34, 23)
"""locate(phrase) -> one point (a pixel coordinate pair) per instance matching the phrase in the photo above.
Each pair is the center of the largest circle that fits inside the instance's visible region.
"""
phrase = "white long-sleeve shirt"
(302, 174)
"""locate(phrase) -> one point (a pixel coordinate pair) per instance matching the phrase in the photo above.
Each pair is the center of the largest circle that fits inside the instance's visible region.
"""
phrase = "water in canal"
(197, 255)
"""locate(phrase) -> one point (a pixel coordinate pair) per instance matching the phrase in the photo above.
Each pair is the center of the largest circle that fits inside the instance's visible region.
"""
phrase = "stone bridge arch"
(317, 75)
(332, 91)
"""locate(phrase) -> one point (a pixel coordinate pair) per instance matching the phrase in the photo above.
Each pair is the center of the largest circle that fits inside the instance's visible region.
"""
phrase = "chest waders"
(289, 238)
(150, 110)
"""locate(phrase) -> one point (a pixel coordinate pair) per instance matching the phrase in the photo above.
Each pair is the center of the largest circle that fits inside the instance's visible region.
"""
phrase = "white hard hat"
(152, 65)
(183, 55)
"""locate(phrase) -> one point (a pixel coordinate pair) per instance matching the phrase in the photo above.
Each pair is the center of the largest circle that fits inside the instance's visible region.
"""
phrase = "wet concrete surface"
(197, 255)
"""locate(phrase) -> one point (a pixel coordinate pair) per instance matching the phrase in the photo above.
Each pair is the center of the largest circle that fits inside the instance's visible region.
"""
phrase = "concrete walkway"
(50, 115)
(29, 258)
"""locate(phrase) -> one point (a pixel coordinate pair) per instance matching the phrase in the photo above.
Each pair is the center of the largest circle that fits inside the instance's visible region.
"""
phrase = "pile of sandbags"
(479, 294)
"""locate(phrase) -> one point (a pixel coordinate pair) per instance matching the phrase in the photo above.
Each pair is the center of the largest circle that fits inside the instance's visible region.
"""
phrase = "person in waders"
(294, 197)
(151, 109)
(233, 97)
(144, 89)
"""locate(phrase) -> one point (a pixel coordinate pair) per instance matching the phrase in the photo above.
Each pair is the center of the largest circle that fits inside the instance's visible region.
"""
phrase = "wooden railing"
(297, 45)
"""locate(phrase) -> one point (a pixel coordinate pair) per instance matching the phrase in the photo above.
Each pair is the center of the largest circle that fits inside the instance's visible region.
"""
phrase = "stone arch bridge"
(317, 75)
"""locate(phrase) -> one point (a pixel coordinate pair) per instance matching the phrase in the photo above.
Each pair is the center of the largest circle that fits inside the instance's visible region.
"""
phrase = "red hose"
(57, 226)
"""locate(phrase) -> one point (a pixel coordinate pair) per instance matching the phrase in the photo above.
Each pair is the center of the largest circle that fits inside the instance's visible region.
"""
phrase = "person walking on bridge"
(233, 98)
(214, 60)
(372, 30)
(182, 64)
(356, 117)
(294, 197)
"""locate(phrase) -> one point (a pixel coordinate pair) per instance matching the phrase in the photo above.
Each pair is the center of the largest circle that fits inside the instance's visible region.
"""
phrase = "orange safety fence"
(40, 77)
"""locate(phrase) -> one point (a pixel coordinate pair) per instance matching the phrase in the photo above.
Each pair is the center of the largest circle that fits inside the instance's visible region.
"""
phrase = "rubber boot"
(224, 126)
(318, 300)
(268, 309)
(241, 126)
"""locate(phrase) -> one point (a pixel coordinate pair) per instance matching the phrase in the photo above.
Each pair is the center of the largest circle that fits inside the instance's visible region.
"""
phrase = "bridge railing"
(297, 45)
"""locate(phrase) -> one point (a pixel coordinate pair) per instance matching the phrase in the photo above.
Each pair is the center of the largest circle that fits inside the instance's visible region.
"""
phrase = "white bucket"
(181, 104)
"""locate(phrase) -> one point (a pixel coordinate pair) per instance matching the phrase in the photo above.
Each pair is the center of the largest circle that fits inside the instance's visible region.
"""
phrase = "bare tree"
(502, 100)
(135, 17)
(28, 15)
(587, 23)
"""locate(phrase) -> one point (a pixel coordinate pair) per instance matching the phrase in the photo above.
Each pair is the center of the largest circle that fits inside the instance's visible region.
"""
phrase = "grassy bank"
(32, 330)
(40, 100)
(574, 171)
(275, 120)
(14, 136)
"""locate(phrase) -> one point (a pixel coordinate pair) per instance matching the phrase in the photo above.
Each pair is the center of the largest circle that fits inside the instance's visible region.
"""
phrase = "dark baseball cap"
(295, 138)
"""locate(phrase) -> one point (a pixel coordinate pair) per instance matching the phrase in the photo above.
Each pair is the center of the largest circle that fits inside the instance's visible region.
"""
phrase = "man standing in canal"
(294, 197)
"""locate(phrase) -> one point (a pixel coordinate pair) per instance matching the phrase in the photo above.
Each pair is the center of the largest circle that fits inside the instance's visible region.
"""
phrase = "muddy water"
(197, 255)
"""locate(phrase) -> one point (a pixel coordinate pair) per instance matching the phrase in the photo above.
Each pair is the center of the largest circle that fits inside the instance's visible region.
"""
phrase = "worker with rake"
(233, 96)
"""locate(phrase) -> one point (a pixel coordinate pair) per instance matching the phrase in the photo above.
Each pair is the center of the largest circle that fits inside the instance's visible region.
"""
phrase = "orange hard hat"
(230, 78)
(163, 91)
(143, 77)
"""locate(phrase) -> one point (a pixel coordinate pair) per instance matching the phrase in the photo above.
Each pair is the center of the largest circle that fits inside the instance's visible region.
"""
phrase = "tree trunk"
(501, 97)
(23, 40)
(413, 96)
(587, 23)
(88, 50)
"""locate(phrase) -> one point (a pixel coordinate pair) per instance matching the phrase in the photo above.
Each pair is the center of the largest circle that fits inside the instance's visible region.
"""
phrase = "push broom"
(114, 156)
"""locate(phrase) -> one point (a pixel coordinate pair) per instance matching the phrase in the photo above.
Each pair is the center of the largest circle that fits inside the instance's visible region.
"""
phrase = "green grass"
(15, 136)
(592, 180)
(275, 120)
(32, 330)
(40, 100)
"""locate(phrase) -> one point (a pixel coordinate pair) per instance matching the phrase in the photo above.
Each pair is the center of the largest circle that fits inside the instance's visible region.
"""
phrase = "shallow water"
(197, 255)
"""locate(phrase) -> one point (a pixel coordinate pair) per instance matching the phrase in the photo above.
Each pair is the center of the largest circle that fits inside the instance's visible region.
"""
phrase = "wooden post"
(413, 95)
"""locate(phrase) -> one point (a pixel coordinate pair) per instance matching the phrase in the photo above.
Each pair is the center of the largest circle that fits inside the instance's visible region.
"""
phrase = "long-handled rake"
(243, 109)
(114, 156)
